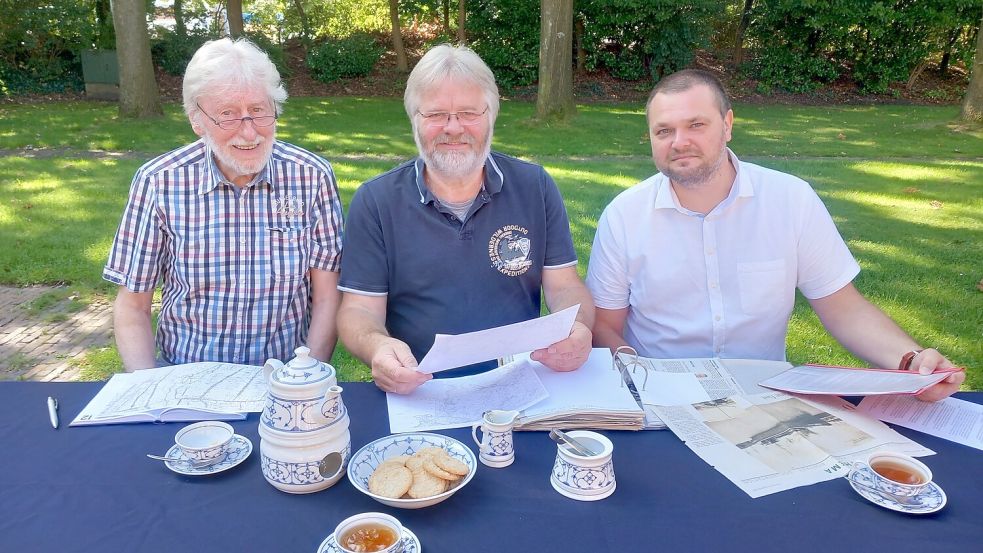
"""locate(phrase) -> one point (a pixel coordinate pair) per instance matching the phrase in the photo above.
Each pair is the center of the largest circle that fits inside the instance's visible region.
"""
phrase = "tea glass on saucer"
(205, 443)
(584, 477)
(378, 528)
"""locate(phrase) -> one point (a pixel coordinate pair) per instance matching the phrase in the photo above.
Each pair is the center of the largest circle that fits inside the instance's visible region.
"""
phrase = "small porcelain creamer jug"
(303, 423)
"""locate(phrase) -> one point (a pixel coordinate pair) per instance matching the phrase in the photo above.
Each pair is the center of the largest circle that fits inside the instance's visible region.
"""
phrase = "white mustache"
(448, 139)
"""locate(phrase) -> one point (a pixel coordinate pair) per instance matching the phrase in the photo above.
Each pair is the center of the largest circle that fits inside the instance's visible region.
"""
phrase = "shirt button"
(716, 318)
(710, 252)
(713, 285)
(242, 241)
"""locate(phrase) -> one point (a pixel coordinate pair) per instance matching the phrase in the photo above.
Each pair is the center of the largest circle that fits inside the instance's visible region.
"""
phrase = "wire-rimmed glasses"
(443, 118)
(234, 124)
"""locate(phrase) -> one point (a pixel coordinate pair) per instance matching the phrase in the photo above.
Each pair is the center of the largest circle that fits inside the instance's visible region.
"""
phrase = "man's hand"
(568, 354)
(928, 361)
(394, 368)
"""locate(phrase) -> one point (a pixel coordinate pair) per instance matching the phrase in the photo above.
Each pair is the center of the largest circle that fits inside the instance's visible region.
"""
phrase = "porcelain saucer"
(929, 500)
(411, 544)
(239, 450)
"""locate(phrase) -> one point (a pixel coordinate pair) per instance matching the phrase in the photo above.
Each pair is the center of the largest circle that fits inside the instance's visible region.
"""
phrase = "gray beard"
(234, 164)
(454, 164)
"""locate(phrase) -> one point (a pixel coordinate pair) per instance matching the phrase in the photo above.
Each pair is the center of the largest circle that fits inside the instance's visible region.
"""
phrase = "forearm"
(863, 329)
(567, 296)
(361, 332)
(322, 334)
(134, 337)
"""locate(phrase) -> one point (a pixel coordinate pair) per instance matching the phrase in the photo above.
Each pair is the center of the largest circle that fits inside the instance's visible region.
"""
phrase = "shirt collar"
(493, 179)
(212, 176)
(666, 198)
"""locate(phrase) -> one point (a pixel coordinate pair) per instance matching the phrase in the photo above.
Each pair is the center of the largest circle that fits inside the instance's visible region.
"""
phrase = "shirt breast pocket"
(762, 285)
(289, 252)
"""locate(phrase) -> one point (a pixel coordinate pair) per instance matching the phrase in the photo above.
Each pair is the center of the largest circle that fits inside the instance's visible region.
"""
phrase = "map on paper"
(459, 402)
(190, 392)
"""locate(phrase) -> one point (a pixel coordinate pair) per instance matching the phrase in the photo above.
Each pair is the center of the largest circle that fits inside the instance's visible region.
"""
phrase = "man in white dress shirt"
(703, 259)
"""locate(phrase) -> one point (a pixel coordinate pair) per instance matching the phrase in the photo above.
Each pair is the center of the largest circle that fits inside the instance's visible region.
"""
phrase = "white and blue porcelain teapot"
(303, 424)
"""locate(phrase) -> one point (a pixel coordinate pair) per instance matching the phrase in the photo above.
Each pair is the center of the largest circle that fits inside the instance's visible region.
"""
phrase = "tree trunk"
(741, 28)
(973, 104)
(105, 36)
(462, 15)
(397, 36)
(555, 96)
(138, 94)
(234, 15)
(447, 16)
(305, 25)
(179, 28)
(947, 54)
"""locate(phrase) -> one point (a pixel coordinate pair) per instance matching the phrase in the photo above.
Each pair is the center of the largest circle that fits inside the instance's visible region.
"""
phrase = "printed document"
(190, 392)
(953, 419)
(848, 381)
(450, 351)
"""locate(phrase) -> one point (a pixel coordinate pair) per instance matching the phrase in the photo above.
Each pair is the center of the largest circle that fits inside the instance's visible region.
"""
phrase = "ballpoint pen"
(53, 411)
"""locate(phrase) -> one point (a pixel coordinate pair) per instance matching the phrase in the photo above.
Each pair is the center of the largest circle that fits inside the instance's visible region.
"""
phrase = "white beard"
(454, 164)
(226, 158)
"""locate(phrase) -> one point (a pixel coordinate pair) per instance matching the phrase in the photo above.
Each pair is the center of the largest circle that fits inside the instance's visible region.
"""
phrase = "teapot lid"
(303, 370)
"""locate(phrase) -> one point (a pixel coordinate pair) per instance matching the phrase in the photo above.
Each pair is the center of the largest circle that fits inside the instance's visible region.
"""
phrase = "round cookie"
(426, 485)
(390, 480)
(434, 469)
(450, 464)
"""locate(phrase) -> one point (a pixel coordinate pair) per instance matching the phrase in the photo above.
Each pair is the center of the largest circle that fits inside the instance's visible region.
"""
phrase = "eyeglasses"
(233, 124)
(443, 118)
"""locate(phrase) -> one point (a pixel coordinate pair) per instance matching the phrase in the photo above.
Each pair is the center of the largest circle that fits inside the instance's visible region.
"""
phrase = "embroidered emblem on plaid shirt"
(288, 207)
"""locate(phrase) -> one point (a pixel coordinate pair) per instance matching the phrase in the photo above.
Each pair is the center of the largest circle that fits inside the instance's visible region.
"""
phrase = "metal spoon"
(193, 462)
(563, 438)
(330, 465)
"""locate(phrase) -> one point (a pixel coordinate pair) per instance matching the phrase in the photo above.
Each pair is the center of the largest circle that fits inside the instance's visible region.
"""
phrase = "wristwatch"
(907, 358)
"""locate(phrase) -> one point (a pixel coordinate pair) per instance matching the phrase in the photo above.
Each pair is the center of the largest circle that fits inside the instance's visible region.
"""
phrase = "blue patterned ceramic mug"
(205, 442)
(369, 532)
(890, 473)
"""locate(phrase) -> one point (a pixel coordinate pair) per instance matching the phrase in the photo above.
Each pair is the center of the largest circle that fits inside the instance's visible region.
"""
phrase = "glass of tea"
(892, 473)
(369, 532)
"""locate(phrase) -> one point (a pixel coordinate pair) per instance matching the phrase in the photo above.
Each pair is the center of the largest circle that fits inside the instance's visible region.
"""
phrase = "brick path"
(35, 348)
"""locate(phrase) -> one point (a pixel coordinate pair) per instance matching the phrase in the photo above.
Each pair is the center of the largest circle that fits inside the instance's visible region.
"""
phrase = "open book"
(179, 393)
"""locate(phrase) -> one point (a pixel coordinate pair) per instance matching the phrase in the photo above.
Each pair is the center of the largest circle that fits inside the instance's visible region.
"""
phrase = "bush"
(505, 33)
(352, 56)
(632, 38)
(172, 52)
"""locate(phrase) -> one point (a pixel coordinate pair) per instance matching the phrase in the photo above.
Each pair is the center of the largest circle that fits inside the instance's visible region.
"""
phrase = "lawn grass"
(903, 183)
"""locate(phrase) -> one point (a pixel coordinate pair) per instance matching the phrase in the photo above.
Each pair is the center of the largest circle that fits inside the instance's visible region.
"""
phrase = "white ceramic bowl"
(372, 454)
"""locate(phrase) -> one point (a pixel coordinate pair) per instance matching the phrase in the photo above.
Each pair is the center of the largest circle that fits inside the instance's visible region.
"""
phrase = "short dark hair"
(686, 79)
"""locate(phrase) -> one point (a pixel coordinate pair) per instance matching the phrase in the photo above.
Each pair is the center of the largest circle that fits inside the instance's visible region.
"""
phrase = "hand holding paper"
(458, 350)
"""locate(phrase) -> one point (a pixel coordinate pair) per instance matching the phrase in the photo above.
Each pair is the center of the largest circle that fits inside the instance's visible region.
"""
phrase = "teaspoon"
(563, 438)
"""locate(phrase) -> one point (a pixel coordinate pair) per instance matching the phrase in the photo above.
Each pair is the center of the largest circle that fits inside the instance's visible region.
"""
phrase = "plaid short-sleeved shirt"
(233, 263)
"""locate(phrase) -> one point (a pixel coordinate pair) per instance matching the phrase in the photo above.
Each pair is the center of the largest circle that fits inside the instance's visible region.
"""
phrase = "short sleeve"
(364, 265)
(135, 256)
(559, 243)
(327, 236)
(607, 272)
(825, 263)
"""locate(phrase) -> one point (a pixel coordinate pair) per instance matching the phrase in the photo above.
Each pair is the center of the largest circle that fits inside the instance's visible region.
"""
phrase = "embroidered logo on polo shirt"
(289, 207)
(509, 249)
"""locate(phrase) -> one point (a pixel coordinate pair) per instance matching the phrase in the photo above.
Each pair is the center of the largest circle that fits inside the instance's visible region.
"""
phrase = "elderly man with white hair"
(242, 231)
(457, 240)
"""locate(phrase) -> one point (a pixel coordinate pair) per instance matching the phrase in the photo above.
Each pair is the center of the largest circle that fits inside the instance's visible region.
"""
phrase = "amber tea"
(898, 472)
(368, 537)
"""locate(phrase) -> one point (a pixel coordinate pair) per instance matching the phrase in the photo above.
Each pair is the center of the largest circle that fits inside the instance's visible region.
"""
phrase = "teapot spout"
(270, 366)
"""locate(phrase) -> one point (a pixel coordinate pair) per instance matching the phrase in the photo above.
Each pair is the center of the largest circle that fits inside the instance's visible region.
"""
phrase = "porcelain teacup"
(496, 447)
(889, 473)
(205, 443)
(584, 477)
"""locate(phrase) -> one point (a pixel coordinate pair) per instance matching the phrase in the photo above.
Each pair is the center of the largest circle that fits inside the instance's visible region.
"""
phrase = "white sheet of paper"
(458, 350)
(673, 389)
(814, 379)
(953, 419)
(456, 402)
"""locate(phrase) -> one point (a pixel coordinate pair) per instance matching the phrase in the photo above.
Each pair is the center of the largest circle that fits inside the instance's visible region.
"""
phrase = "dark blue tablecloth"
(92, 489)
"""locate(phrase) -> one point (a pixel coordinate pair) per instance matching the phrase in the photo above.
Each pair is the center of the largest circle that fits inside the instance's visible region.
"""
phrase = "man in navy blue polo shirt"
(457, 240)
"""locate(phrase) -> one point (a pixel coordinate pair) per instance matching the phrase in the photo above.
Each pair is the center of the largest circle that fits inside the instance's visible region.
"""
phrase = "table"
(92, 489)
